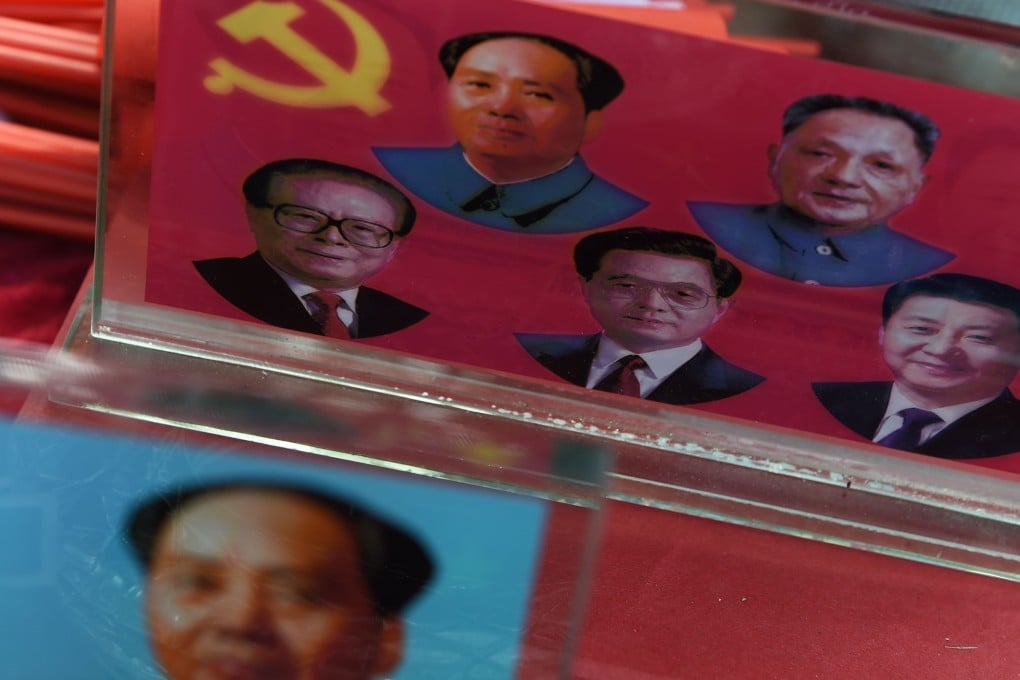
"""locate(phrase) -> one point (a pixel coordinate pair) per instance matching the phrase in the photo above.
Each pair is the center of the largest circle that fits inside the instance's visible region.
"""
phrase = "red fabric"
(39, 277)
(681, 597)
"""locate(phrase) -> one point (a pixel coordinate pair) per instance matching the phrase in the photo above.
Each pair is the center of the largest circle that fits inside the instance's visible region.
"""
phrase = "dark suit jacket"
(253, 286)
(706, 377)
(992, 430)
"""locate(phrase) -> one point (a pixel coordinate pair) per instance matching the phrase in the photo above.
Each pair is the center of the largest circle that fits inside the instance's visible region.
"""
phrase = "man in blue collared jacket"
(521, 106)
(845, 165)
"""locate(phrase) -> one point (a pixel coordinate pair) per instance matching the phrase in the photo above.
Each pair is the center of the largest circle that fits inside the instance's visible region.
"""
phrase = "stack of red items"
(49, 96)
(49, 125)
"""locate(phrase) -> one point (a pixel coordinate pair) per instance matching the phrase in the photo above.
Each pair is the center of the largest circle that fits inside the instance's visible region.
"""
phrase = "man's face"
(324, 259)
(847, 169)
(262, 585)
(945, 352)
(514, 103)
(646, 321)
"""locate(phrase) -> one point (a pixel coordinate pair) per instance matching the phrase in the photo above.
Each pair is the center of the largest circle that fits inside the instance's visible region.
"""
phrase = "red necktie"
(623, 380)
(324, 305)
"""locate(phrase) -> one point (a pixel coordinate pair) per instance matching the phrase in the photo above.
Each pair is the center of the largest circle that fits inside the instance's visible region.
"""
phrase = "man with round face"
(266, 581)
(844, 167)
(952, 344)
(321, 230)
(655, 293)
(521, 106)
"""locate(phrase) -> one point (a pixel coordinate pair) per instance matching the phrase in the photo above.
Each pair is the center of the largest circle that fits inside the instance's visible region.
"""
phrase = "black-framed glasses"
(680, 295)
(311, 221)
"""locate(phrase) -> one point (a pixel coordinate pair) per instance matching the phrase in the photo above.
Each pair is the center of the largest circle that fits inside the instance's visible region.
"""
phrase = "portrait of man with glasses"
(321, 230)
(655, 293)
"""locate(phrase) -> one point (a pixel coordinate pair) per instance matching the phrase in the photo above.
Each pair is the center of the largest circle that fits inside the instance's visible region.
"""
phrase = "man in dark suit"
(321, 230)
(844, 166)
(655, 293)
(952, 343)
(272, 580)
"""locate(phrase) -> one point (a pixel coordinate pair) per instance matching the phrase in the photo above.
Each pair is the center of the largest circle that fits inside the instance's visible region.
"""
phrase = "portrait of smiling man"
(952, 344)
(521, 105)
(321, 230)
(655, 293)
(263, 580)
(844, 167)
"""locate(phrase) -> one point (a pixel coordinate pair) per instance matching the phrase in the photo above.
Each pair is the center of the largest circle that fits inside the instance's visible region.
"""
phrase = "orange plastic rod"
(69, 35)
(51, 14)
(30, 142)
(39, 68)
(44, 201)
(50, 111)
(52, 223)
(46, 44)
(40, 176)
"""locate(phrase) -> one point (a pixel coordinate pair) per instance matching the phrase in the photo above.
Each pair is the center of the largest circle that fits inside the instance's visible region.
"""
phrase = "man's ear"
(251, 213)
(722, 306)
(392, 248)
(391, 645)
(881, 335)
(921, 182)
(592, 126)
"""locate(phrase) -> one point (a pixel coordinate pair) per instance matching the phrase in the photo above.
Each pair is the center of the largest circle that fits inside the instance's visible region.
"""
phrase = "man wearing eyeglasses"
(322, 229)
(655, 293)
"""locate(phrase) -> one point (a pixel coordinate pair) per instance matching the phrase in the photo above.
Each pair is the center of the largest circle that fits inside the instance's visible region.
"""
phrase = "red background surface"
(693, 123)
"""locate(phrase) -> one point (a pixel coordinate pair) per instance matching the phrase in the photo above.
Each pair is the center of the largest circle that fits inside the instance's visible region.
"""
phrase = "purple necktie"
(623, 380)
(908, 437)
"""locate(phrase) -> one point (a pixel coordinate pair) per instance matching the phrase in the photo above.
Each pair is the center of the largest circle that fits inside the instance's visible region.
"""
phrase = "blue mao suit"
(779, 241)
(572, 199)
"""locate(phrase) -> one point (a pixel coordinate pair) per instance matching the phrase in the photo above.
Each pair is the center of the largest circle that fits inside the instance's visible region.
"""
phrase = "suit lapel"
(696, 381)
(992, 430)
(574, 366)
(863, 414)
(279, 304)
(380, 313)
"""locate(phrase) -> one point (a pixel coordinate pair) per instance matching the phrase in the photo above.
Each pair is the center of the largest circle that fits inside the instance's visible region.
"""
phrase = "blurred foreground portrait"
(247, 581)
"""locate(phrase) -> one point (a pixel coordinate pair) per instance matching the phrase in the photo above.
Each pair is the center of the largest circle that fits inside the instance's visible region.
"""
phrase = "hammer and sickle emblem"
(338, 87)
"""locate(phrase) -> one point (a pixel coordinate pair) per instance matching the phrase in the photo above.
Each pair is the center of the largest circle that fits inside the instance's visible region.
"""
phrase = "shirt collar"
(799, 233)
(661, 362)
(517, 200)
(949, 414)
(300, 288)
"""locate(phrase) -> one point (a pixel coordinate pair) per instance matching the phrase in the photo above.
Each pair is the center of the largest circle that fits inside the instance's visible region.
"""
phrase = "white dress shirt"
(892, 421)
(660, 364)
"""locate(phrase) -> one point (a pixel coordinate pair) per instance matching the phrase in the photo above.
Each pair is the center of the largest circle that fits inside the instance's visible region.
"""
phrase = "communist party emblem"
(337, 87)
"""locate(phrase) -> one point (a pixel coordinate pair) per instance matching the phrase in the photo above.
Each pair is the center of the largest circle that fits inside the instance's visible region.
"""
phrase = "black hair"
(597, 80)
(394, 564)
(961, 287)
(926, 133)
(256, 185)
(590, 250)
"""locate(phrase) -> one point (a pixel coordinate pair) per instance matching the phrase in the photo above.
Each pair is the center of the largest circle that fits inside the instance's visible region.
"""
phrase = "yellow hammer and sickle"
(270, 21)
